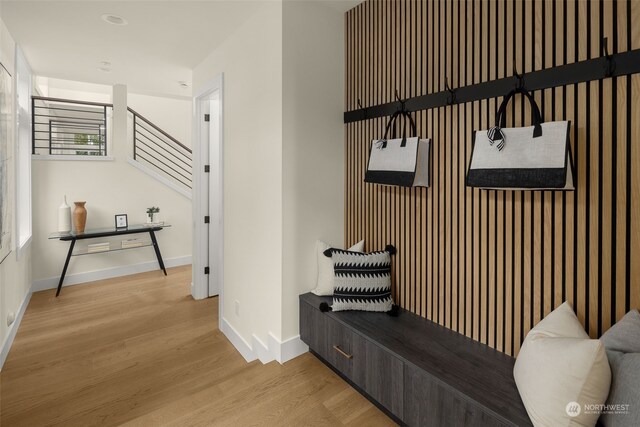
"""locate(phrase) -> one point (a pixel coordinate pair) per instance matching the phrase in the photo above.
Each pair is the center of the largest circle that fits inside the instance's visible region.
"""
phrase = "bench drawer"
(379, 373)
(370, 367)
(327, 337)
(339, 349)
(428, 402)
(312, 327)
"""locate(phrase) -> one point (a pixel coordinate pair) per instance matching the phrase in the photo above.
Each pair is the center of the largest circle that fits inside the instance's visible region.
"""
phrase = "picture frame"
(121, 221)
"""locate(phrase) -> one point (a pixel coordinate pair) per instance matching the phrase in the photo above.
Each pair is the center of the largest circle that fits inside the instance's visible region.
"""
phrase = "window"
(23, 152)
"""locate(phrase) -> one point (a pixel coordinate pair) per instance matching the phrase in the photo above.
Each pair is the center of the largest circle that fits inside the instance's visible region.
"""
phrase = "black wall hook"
(519, 77)
(609, 65)
(451, 98)
(402, 103)
(366, 112)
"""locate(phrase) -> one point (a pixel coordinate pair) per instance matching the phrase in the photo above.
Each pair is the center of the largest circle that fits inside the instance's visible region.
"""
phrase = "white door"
(207, 200)
(215, 194)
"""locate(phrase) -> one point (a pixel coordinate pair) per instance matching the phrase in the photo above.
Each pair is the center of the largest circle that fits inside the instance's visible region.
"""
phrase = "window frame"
(23, 221)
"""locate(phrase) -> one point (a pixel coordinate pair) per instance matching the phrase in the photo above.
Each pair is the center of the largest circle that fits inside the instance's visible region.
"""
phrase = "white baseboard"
(262, 350)
(13, 329)
(281, 351)
(292, 348)
(108, 273)
(238, 342)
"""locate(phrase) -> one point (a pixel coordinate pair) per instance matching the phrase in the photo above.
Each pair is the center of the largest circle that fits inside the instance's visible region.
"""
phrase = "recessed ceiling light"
(104, 69)
(105, 63)
(182, 83)
(110, 18)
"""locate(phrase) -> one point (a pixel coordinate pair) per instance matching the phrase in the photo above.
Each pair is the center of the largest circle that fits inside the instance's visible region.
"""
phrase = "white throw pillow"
(560, 372)
(326, 276)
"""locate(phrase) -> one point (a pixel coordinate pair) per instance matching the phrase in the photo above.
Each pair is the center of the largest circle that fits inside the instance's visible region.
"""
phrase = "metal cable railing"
(65, 127)
(155, 148)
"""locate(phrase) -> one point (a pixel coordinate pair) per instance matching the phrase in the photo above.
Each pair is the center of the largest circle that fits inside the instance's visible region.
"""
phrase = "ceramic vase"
(79, 217)
(64, 217)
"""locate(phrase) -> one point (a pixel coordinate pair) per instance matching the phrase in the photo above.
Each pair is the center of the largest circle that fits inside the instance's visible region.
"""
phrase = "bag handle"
(535, 111)
(391, 122)
(501, 118)
(391, 125)
(406, 115)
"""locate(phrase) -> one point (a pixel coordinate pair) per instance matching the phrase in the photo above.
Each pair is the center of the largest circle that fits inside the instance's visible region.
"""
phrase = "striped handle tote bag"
(537, 157)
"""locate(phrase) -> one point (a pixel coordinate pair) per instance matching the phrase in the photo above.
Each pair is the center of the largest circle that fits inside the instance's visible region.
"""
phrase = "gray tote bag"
(536, 157)
(399, 161)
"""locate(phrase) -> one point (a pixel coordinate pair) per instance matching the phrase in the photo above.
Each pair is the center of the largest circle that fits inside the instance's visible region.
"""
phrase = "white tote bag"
(537, 157)
(399, 161)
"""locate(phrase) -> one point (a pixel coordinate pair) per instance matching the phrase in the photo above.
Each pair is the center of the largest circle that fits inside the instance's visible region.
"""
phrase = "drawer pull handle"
(339, 350)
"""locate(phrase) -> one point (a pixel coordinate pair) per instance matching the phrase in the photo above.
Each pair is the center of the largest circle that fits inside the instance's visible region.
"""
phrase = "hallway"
(138, 350)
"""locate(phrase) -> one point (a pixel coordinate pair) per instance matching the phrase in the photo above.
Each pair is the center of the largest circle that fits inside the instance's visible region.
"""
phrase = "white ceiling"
(160, 46)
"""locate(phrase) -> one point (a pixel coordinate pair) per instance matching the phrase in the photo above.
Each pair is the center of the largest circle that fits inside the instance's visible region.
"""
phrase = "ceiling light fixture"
(112, 19)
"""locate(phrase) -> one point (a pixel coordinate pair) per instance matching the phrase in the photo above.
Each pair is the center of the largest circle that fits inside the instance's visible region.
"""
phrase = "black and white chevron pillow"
(362, 280)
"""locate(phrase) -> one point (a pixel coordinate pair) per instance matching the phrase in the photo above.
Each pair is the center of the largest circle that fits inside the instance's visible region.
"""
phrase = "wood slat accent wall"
(491, 264)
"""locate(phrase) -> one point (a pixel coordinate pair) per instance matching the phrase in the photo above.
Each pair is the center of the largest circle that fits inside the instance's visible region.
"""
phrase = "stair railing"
(62, 127)
(155, 148)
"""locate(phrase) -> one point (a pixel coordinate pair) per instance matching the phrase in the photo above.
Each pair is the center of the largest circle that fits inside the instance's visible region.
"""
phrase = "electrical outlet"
(237, 308)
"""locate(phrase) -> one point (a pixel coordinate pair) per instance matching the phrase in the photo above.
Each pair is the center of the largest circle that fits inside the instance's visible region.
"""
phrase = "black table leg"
(66, 264)
(157, 249)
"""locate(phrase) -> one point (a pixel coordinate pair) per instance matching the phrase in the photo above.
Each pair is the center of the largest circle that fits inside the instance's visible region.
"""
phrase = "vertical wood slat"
(635, 188)
(490, 264)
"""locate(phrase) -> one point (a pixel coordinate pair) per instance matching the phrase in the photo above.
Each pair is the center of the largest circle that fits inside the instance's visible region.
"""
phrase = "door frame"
(202, 233)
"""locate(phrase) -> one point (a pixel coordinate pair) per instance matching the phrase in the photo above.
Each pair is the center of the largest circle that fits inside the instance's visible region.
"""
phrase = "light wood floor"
(139, 351)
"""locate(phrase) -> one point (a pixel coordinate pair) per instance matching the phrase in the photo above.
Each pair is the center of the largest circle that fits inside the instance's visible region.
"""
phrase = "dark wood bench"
(420, 373)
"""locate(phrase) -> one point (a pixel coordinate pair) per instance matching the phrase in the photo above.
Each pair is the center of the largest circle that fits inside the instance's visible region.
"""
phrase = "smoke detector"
(104, 66)
(112, 19)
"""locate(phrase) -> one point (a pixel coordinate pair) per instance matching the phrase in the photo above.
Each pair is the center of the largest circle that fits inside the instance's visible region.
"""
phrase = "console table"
(108, 232)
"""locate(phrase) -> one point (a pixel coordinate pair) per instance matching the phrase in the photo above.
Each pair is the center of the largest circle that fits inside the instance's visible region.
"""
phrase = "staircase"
(65, 128)
(160, 155)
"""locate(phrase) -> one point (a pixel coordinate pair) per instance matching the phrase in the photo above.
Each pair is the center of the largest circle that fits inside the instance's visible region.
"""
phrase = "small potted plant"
(151, 212)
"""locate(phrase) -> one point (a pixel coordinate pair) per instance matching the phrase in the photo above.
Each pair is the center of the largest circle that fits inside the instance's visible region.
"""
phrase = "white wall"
(109, 188)
(15, 275)
(251, 60)
(284, 160)
(69, 89)
(313, 145)
(173, 115)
